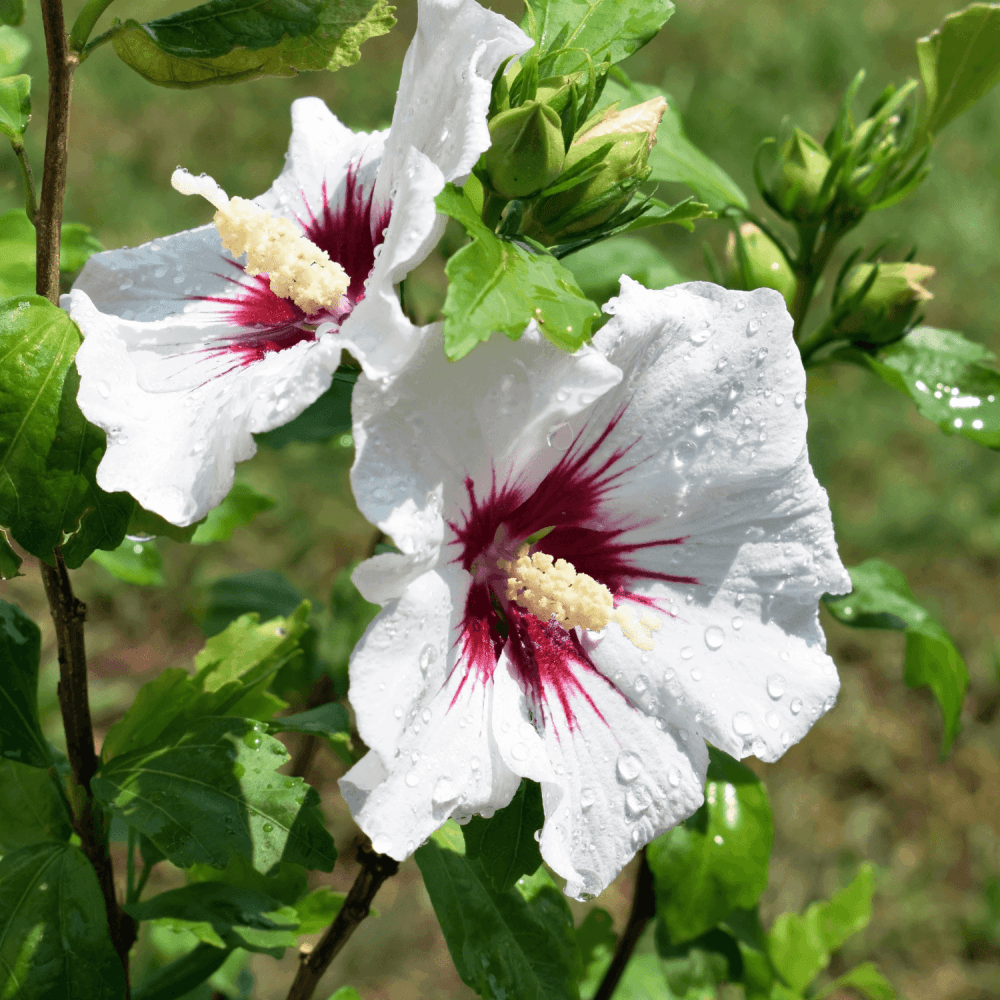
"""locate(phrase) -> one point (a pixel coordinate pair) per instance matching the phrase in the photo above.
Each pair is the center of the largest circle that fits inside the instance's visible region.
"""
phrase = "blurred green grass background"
(867, 783)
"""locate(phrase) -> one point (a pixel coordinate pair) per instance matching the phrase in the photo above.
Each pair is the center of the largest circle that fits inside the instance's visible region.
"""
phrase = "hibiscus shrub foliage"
(600, 550)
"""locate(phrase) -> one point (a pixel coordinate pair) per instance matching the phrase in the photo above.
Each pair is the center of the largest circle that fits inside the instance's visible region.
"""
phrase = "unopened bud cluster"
(882, 299)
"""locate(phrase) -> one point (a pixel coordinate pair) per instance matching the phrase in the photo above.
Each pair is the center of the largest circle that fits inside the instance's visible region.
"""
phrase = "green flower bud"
(804, 164)
(888, 306)
(756, 262)
(609, 189)
(526, 151)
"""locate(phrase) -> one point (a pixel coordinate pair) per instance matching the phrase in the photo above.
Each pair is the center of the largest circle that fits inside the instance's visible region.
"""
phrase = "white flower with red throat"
(191, 348)
(666, 467)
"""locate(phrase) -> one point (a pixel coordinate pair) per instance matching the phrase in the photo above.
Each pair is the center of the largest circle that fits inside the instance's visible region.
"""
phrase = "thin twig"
(68, 616)
(48, 217)
(29, 182)
(375, 869)
(643, 910)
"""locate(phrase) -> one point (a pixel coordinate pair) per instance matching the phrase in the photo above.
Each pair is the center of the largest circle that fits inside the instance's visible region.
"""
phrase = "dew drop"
(412, 780)
(628, 766)
(267, 828)
(475, 764)
(444, 791)
(740, 305)
(685, 452)
(776, 686)
(426, 715)
(398, 711)
(735, 390)
(687, 652)
(641, 683)
(706, 423)
(786, 738)
(560, 437)
(427, 656)
(674, 777)
(696, 674)
(742, 724)
(800, 398)
(714, 637)
(753, 327)
(638, 800)
(587, 798)
(772, 719)
(796, 706)
(519, 751)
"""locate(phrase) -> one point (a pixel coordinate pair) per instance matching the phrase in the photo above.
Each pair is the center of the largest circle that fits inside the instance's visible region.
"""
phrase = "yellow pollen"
(551, 588)
(298, 269)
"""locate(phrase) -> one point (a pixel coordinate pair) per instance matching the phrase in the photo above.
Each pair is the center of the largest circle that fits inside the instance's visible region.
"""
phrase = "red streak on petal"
(269, 323)
(549, 661)
(570, 500)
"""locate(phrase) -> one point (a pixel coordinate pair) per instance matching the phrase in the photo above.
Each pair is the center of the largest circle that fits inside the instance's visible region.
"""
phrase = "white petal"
(435, 425)
(619, 782)
(175, 451)
(444, 89)
(447, 765)
(401, 663)
(756, 524)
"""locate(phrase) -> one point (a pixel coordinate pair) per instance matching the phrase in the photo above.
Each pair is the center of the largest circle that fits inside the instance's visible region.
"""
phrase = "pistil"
(297, 268)
(552, 588)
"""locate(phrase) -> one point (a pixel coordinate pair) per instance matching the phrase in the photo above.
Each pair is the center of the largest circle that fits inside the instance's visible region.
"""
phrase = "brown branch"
(375, 869)
(48, 218)
(68, 616)
(643, 910)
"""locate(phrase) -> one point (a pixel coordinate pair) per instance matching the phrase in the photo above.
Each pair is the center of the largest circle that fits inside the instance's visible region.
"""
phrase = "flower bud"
(757, 263)
(887, 307)
(804, 165)
(526, 151)
(602, 195)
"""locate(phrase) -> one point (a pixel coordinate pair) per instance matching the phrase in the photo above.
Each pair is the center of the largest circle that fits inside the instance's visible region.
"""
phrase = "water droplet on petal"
(776, 686)
(735, 390)
(685, 452)
(706, 423)
(800, 398)
(796, 706)
(696, 674)
(519, 751)
(637, 800)
(687, 652)
(427, 656)
(412, 780)
(714, 637)
(772, 719)
(674, 776)
(786, 738)
(475, 764)
(753, 327)
(560, 437)
(641, 683)
(587, 798)
(398, 711)
(761, 355)
(628, 766)
(737, 623)
(742, 724)
(444, 791)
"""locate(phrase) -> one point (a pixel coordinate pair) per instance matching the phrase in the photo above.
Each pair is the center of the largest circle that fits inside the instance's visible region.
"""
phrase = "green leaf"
(882, 599)
(607, 29)
(15, 106)
(134, 562)
(14, 49)
(350, 615)
(959, 63)
(287, 883)
(144, 523)
(643, 979)
(225, 916)
(261, 591)
(502, 944)
(20, 731)
(17, 251)
(864, 978)
(321, 721)
(317, 909)
(941, 372)
(499, 285)
(674, 158)
(212, 791)
(50, 453)
(230, 671)
(596, 941)
(716, 860)
(31, 808)
(598, 268)
(181, 976)
(226, 41)
(696, 969)
(328, 417)
(800, 946)
(54, 939)
(505, 843)
(345, 993)
(11, 11)
(659, 213)
(10, 561)
(240, 507)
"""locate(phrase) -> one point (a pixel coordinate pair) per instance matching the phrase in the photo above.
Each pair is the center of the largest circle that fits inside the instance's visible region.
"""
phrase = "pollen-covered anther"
(552, 588)
(297, 268)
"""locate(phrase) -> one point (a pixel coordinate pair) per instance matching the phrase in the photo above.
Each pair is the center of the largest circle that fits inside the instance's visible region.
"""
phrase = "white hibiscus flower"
(666, 466)
(188, 352)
